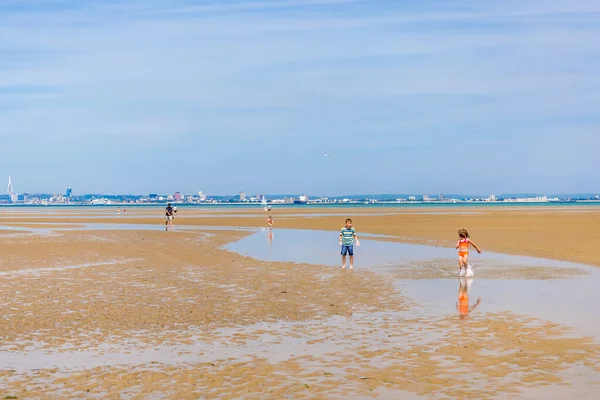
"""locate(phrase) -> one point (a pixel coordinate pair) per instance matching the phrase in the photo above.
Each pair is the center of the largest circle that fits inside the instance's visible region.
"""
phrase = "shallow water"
(556, 291)
(44, 229)
(321, 248)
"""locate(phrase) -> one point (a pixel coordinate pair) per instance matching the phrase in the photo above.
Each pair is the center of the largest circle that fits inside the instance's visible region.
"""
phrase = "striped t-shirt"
(347, 236)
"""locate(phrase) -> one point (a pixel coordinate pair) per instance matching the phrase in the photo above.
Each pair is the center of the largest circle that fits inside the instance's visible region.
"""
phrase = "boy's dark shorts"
(349, 250)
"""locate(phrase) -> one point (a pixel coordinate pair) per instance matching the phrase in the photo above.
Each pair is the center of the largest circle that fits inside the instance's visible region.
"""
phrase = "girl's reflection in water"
(463, 298)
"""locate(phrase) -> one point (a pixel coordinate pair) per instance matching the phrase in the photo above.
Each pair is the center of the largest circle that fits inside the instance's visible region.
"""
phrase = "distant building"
(153, 196)
(68, 194)
(441, 197)
(14, 197)
(425, 197)
(493, 198)
(412, 198)
(177, 196)
(242, 196)
(9, 188)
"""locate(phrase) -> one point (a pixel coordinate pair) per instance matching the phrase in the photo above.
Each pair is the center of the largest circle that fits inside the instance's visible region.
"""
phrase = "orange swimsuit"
(463, 247)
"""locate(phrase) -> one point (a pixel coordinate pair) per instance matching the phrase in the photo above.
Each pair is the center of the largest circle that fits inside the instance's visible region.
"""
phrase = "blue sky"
(222, 96)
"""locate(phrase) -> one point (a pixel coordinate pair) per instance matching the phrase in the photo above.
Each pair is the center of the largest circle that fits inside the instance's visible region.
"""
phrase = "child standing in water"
(463, 251)
(270, 222)
(347, 237)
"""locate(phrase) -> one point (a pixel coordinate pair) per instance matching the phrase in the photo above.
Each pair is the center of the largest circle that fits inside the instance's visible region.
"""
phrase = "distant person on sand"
(270, 222)
(463, 298)
(118, 210)
(169, 220)
(347, 238)
(463, 252)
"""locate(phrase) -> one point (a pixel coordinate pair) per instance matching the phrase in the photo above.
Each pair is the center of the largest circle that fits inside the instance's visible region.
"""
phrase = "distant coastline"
(201, 199)
(383, 204)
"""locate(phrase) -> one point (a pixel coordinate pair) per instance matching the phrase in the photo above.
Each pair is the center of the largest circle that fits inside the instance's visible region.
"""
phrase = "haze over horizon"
(223, 96)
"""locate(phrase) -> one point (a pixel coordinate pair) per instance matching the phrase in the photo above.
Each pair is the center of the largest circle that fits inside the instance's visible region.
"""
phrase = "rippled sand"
(138, 314)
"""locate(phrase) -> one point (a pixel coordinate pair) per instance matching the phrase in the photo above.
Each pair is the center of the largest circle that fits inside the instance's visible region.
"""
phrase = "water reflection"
(462, 305)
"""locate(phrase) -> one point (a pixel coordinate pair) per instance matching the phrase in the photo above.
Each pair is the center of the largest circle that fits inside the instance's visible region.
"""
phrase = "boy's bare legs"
(343, 261)
(351, 262)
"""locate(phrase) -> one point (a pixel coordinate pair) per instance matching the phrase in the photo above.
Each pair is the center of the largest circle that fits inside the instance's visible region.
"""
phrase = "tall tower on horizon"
(9, 189)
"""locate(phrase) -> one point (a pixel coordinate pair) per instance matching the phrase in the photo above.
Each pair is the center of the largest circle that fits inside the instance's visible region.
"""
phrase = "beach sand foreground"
(146, 313)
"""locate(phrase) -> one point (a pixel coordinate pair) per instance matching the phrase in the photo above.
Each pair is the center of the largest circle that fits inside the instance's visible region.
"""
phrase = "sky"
(223, 96)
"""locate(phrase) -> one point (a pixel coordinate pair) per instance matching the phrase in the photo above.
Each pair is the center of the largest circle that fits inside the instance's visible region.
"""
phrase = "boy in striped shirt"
(347, 237)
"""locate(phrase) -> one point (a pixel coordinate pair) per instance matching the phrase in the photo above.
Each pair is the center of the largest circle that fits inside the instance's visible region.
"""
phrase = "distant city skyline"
(292, 96)
(242, 195)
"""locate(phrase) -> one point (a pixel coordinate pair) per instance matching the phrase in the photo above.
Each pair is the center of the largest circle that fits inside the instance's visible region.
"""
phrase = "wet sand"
(560, 233)
(138, 314)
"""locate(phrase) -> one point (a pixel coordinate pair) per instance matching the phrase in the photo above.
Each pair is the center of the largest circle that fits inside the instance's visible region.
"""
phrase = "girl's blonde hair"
(463, 233)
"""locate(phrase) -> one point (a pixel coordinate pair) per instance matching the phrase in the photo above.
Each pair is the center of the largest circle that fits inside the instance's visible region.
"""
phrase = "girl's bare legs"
(463, 262)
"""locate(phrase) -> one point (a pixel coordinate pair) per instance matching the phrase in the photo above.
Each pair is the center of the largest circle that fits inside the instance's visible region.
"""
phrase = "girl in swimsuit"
(463, 251)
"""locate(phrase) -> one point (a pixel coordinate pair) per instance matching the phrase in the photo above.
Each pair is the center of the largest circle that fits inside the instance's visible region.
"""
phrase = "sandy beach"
(100, 305)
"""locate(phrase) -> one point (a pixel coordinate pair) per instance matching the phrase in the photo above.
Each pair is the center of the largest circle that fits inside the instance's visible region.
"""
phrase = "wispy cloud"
(317, 73)
(238, 6)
